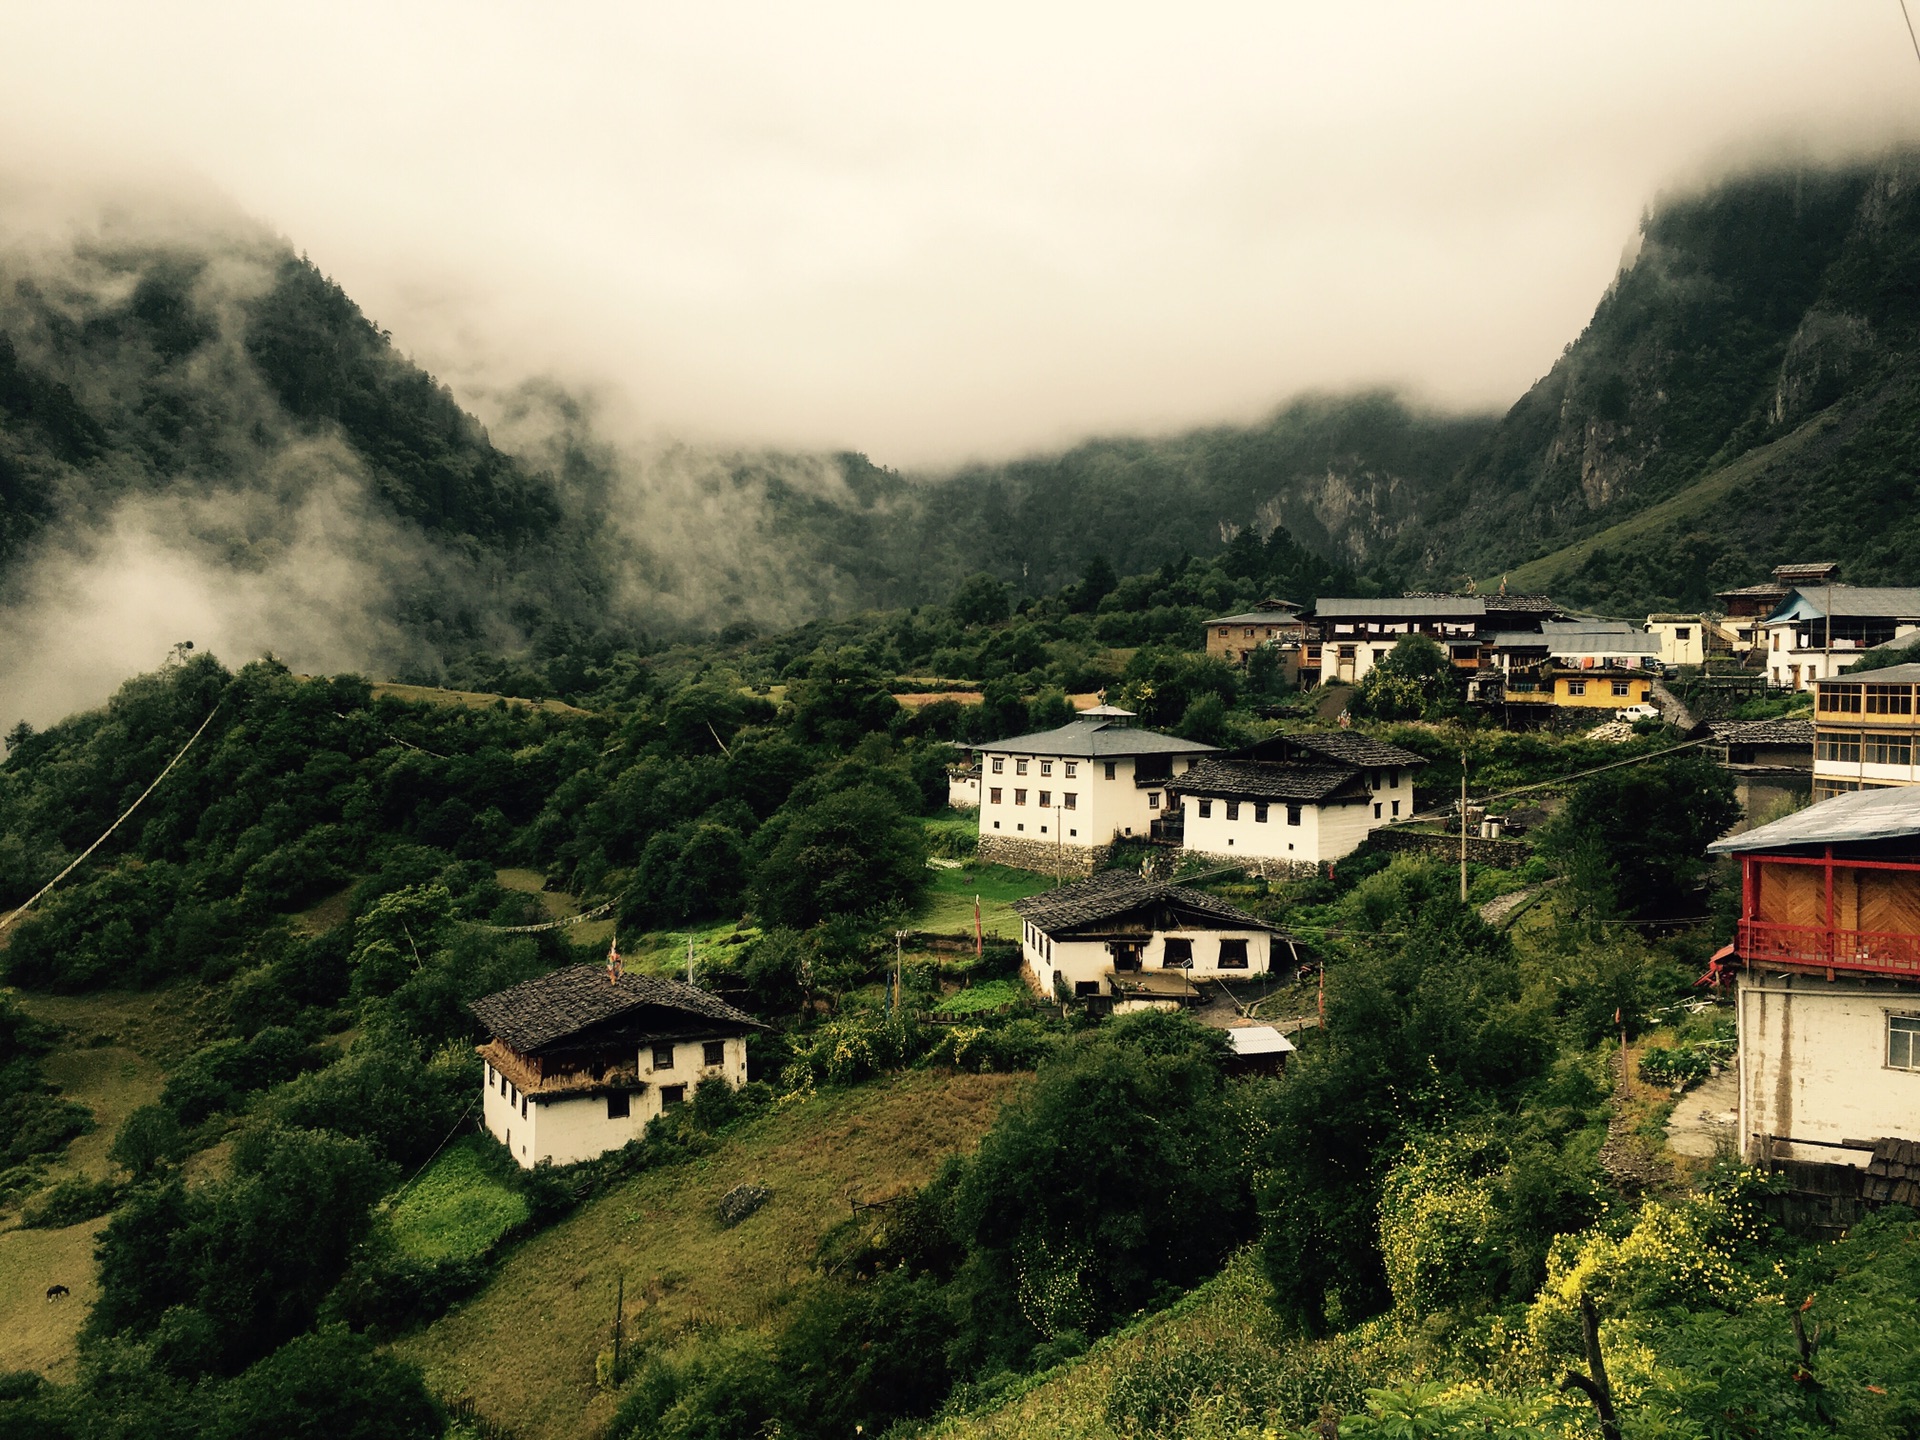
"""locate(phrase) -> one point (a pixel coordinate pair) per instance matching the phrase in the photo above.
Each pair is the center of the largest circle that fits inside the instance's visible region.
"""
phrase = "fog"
(941, 234)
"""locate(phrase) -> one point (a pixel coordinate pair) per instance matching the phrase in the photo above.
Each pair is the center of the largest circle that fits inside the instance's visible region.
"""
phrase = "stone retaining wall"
(1270, 869)
(1507, 854)
(1040, 856)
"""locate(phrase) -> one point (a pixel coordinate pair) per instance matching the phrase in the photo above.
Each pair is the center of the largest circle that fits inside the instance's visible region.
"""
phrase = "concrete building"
(1816, 632)
(580, 1061)
(1771, 762)
(1291, 802)
(1828, 987)
(1273, 622)
(1683, 639)
(1057, 800)
(1866, 731)
(1137, 942)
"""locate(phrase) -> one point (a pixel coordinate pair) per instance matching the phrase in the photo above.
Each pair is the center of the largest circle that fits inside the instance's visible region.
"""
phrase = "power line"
(1916, 51)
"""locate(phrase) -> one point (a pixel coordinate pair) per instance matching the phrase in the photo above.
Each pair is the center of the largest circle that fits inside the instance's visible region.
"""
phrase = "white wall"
(1104, 810)
(567, 1128)
(963, 792)
(1675, 651)
(1090, 960)
(1813, 1064)
(1325, 832)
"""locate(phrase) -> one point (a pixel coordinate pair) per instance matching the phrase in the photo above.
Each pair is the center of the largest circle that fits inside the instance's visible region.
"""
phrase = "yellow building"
(1601, 689)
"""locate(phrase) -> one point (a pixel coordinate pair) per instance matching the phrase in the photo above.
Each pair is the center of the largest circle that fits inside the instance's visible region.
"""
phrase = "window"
(1233, 809)
(1178, 954)
(1346, 652)
(1019, 797)
(1825, 789)
(1020, 766)
(1259, 812)
(1224, 632)
(489, 1072)
(671, 1095)
(1622, 689)
(1837, 745)
(663, 1057)
(1888, 749)
(1376, 809)
(1073, 768)
(619, 1105)
(1067, 800)
(1839, 699)
(1233, 954)
(993, 794)
(1046, 767)
(1086, 987)
(1682, 632)
(1293, 814)
(713, 1052)
(523, 1107)
(1110, 770)
(1903, 1042)
(1396, 809)
(1393, 779)
(1576, 687)
(1889, 699)
(1206, 809)
(999, 764)
(1153, 800)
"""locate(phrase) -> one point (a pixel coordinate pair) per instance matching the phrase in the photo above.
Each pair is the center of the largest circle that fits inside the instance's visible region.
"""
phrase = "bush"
(331, 1385)
(71, 1202)
(847, 854)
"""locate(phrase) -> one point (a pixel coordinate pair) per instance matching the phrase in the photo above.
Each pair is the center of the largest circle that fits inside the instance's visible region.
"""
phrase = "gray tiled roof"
(1097, 740)
(1886, 675)
(1387, 607)
(1341, 745)
(1890, 813)
(1783, 731)
(535, 1013)
(1111, 893)
(1268, 780)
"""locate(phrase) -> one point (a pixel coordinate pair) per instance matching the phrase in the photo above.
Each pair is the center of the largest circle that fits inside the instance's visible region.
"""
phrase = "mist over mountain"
(202, 437)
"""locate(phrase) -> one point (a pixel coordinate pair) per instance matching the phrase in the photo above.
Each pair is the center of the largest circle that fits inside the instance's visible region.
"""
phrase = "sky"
(936, 234)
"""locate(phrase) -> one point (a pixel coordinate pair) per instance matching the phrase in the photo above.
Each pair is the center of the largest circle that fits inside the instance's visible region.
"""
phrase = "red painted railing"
(1877, 951)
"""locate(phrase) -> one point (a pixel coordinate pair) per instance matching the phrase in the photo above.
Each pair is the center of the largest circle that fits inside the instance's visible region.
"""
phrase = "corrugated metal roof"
(1258, 1040)
(1259, 617)
(1898, 602)
(1094, 740)
(1518, 640)
(1892, 813)
(1886, 675)
(1437, 607)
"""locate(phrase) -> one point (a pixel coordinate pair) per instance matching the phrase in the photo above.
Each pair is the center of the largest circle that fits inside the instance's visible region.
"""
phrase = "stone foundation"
(1268, 869)
(1040, 856)
(1505, 854)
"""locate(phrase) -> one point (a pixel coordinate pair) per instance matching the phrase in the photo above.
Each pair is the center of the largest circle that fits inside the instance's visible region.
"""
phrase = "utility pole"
(1463, 827)
(689, 957)
(619, 1315)
(898, 937)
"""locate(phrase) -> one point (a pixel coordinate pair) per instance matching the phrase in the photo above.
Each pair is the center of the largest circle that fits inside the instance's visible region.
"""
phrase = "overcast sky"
(938, 233)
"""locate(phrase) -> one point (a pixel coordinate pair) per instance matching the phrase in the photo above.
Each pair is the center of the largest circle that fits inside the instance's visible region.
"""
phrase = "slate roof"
(1769, 587)
(1886, 675)
(535, 1013)
(1864, 601)
(1525, 604)
(1812, 570)
(1288, 616)
(1266, 780)
(1419, 607)
(1095, 739)
(1890, 813)
(1762, 732)
(1341, 745)
(1109, 893)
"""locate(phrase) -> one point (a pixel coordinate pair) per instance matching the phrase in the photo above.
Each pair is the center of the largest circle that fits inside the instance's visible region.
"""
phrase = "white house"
(963, 787)
(579, 1062)
(1138, 941)
(1057, 800)
(1357, 634)
(1828, 986)
(1682, 638)
(1294, 800)
(1817, 631)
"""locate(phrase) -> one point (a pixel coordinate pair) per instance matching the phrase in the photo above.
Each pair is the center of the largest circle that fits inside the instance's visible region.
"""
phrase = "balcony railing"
(1878, 952)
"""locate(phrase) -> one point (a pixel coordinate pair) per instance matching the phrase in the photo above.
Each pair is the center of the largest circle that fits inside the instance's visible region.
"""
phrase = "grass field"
(37, 1333)
(948, 909)
(524, 1348)
(1070, 1401)
(456, 1210)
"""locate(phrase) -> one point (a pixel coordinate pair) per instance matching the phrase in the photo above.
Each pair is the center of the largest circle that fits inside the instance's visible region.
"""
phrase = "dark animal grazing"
(57, 1292)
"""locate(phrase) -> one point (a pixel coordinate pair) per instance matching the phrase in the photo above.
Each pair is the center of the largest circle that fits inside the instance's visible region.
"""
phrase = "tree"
(1635, 838)
(330, 1385)
(1408, 681)
(849, 853)
(1097, 581)
(980, 600)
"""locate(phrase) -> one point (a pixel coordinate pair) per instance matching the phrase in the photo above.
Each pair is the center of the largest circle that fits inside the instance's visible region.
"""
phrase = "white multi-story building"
(1866, 730)
(1682, 639)
(1295, 800)
(1818, 631)
(580, 1061)
(1357, 634)
(1057, 800)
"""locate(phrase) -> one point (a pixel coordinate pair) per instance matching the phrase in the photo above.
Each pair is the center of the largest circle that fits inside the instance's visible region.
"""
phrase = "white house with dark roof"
(1137, 941)
(1817, 631)
(1297, 799)
(1055, 801)
(579, 1062)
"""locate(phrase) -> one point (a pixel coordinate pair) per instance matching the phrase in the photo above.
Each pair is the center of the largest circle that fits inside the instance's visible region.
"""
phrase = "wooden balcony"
(1876, 952)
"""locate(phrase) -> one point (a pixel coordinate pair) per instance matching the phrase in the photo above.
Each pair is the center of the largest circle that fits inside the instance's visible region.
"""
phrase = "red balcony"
(1880, 952)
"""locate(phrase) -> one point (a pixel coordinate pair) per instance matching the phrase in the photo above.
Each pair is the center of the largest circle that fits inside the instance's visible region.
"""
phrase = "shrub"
(71, 1202)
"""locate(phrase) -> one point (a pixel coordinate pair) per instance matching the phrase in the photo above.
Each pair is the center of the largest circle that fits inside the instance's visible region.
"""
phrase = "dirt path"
(1503, 908)
(1673, 708)
(1706, 1122)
